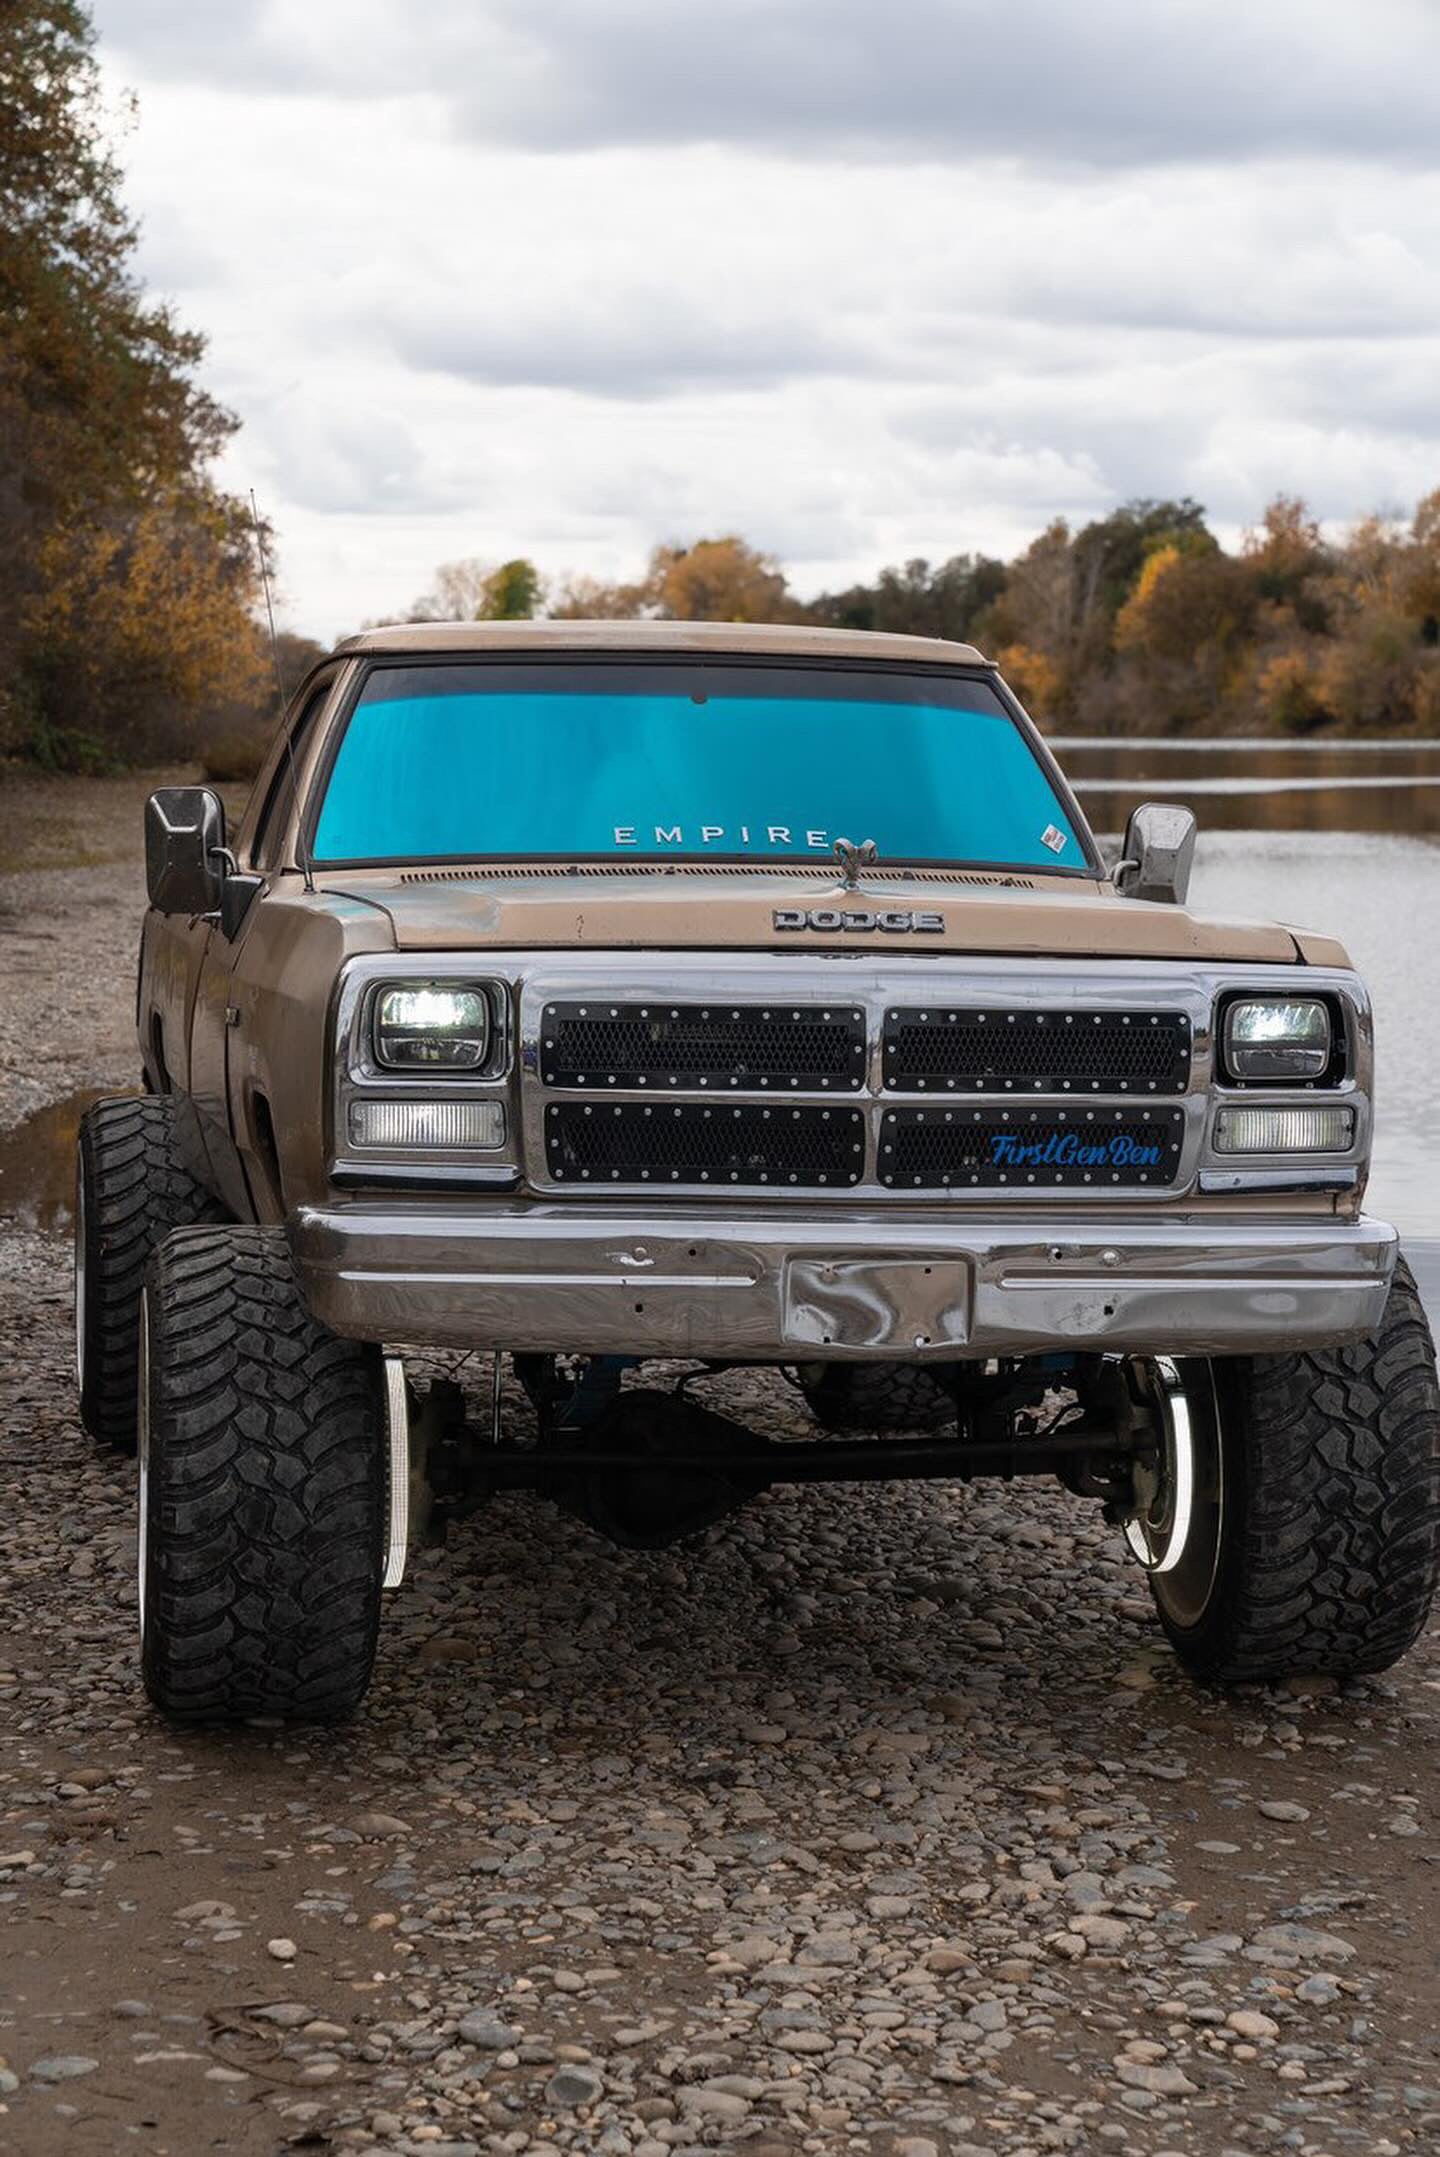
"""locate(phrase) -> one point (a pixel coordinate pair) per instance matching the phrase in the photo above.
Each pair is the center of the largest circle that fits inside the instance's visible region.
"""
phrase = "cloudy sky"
(566, 277)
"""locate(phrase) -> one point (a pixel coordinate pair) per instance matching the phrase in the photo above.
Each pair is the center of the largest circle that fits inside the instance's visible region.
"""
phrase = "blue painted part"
(595, 1391)
(494, 772)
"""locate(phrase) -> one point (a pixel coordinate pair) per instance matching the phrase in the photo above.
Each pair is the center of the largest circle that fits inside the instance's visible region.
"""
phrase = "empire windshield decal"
(729, 839)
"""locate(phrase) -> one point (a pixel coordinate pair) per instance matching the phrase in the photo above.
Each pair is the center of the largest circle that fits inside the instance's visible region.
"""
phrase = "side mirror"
(1159, 854)
(185, 857)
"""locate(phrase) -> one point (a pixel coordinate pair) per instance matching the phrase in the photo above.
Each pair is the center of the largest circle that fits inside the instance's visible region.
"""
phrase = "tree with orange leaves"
(126, 577)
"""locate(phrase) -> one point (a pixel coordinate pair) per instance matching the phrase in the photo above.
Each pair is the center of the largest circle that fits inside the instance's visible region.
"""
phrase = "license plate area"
(906, 1306)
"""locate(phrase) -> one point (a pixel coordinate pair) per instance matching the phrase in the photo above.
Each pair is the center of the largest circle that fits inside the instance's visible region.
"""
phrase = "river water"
(1339, 837)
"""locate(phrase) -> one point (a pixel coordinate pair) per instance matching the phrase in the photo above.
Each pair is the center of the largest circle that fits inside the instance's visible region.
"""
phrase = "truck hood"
(726, 909)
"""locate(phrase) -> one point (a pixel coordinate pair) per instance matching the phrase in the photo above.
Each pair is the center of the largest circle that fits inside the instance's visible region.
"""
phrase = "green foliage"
(916, 599)
(512, 593)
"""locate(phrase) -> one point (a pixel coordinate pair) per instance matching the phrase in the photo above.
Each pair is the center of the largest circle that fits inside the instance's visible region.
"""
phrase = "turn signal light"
(427, 1126)
(1285, 1130)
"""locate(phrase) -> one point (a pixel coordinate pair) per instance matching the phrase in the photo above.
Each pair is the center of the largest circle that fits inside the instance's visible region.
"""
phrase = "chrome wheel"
(1178, 1523)
(142, 1435)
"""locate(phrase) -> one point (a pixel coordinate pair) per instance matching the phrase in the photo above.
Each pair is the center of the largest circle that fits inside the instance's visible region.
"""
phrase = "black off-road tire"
(132, 1188)
(876, 1397)
(262, 1489)
(1329, 1558)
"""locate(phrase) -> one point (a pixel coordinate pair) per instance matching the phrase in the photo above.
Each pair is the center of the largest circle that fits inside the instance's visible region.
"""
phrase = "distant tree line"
(1138, 623)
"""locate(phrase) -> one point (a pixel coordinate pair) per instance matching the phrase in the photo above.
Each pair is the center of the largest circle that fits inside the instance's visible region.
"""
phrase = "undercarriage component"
(647, 1467)
(654, 1468)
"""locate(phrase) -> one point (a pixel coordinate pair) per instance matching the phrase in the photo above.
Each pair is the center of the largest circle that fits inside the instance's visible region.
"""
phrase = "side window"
(278, 800)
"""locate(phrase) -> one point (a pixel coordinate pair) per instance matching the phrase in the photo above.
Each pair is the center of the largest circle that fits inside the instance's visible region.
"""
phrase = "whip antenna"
(302, 851)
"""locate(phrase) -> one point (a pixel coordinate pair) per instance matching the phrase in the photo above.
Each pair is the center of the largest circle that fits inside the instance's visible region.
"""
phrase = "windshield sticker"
(1054, 839)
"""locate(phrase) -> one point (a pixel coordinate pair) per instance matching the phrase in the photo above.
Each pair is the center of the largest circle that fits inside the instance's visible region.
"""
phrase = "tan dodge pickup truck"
(605, 995)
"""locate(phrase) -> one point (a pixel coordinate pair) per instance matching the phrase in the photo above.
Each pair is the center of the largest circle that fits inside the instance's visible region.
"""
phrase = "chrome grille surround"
(875, 985)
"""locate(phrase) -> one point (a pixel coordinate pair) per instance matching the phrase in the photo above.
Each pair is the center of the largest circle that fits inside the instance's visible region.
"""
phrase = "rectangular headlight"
(428, 1126)
(1277, 1038)
(432, 1026)
(1284, 1130)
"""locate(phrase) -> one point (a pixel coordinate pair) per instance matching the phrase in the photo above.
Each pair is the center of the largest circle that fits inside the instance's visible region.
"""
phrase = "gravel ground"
(875, 1821)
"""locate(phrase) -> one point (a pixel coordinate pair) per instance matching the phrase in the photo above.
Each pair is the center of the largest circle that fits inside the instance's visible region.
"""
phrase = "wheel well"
(157, 1054)
(267, 1151)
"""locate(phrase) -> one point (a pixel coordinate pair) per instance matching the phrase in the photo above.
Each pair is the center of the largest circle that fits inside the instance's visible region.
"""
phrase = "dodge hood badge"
(860, 920)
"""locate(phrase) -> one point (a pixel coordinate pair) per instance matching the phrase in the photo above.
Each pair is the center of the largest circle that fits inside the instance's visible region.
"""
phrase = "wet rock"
(571, 2087)
(1249, 2022)
(1302, 1941)
(1157, 2081)
(486, 2031)
(381, 1827)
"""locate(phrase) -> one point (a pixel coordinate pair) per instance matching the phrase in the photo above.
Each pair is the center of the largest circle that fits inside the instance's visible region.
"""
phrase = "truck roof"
(790, 639)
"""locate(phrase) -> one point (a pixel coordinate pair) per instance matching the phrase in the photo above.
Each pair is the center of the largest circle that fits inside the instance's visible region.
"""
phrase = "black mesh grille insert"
(670, 1142)
(811, 1048)
(992, 1148)
(948, 1051)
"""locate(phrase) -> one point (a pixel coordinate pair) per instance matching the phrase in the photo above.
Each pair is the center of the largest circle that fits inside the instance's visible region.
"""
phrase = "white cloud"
(556, 281)
(1105, 84)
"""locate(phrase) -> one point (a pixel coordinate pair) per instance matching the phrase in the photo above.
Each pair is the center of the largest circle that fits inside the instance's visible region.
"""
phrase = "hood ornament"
(854, 860)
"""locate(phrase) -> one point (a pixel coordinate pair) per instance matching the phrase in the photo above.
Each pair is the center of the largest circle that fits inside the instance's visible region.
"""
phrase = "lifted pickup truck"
(616, 993)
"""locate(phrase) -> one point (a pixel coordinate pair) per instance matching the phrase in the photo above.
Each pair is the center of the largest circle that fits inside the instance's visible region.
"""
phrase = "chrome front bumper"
(771, 1285)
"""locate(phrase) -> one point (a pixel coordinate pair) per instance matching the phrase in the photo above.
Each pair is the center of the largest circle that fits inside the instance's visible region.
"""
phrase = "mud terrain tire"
(876, 1397)
(1329, 1555)
(262, 1489)
(132, 1188)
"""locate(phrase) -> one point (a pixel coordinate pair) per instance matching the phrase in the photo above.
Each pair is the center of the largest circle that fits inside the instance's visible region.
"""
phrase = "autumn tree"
(1422, 581)
(1109, 554)
(707, 580)
(716, 580)
(579, 598)
(121, 564)
(1037, 609)
(1186, 605)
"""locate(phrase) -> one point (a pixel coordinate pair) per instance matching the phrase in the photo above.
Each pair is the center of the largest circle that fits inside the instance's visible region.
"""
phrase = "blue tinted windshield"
(485, 759)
